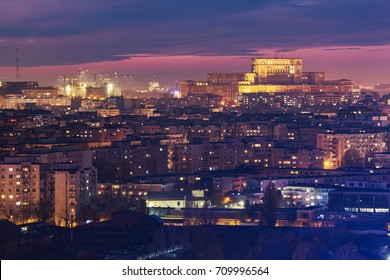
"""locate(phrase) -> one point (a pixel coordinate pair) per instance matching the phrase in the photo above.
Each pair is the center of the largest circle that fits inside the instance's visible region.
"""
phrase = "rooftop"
(362, 190)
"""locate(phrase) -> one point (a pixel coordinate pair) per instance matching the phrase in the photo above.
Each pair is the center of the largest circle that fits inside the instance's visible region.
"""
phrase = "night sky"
(185, 39)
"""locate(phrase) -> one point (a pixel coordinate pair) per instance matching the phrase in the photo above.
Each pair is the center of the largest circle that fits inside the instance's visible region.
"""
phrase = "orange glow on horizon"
(364, 63)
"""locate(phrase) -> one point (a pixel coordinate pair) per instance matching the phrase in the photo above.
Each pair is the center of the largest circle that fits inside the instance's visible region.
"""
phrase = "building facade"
(69, 188)
(20, 189)
(277, 70)
(360, 200)
(335, 144)
(268, 75)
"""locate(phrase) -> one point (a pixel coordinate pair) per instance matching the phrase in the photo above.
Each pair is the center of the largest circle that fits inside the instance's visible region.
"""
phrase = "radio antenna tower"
(17, 63)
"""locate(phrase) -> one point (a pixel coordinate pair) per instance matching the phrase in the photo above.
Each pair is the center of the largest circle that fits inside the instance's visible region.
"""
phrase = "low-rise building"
(177, 200)
(360, 200)
(306, 195)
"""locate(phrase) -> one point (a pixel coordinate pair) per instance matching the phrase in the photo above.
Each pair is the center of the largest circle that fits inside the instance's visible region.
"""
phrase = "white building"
(306, 195)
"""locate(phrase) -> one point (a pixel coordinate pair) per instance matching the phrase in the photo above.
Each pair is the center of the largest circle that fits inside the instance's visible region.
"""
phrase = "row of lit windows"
(367, 210)
(11, 196)
(24, 169)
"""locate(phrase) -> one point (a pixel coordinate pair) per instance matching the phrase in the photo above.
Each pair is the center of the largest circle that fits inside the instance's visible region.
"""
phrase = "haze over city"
(193, 130)
(178, 40)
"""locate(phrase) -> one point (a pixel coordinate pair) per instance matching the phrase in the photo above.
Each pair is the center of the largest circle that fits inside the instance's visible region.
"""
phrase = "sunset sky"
(173, 40)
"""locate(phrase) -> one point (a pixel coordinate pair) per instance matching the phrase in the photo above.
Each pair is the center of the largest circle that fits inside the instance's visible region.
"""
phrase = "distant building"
(381, 160)
(335, 144)
(277, 70)
(382, 89)
(228, 92)
(269, 76)
(39, 97)
(229, 182)
(359, 116)
(341, 86)
(52, 156)
(360, 200)
(17, 87)
(125, 160)
(296, 158)
(305, 195)
(177, 200)
(40, 92)
(366, 184)
(313, 78)
(225, 78)
(108, 112)
(107, 191)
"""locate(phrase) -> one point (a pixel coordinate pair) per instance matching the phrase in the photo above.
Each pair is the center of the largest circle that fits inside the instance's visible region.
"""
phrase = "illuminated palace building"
(268, 75)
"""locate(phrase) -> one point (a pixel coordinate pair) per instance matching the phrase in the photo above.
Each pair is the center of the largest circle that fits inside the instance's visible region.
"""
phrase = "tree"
(303, 251)
(87, 212)
(167, 240)
(205, 244)
(251, 211)
(268, 208)
(348, 251)
(216, 196)
(369, 160)
(352, 158)
(200, 216)
(44, 211)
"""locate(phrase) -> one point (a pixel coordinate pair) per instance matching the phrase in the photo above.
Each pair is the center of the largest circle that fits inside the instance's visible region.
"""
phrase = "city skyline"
(176, 40)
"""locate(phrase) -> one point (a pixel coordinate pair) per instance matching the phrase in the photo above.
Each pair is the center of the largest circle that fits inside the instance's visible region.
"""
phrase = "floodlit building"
(271, 76)
(277, 70)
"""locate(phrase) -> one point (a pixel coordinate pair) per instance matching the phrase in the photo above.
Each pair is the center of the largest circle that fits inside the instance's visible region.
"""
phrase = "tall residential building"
(52, 156)
(19, 190)
(296, 158)
(335, 144)
(52, 182)
(125, 160)
(70, 188)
